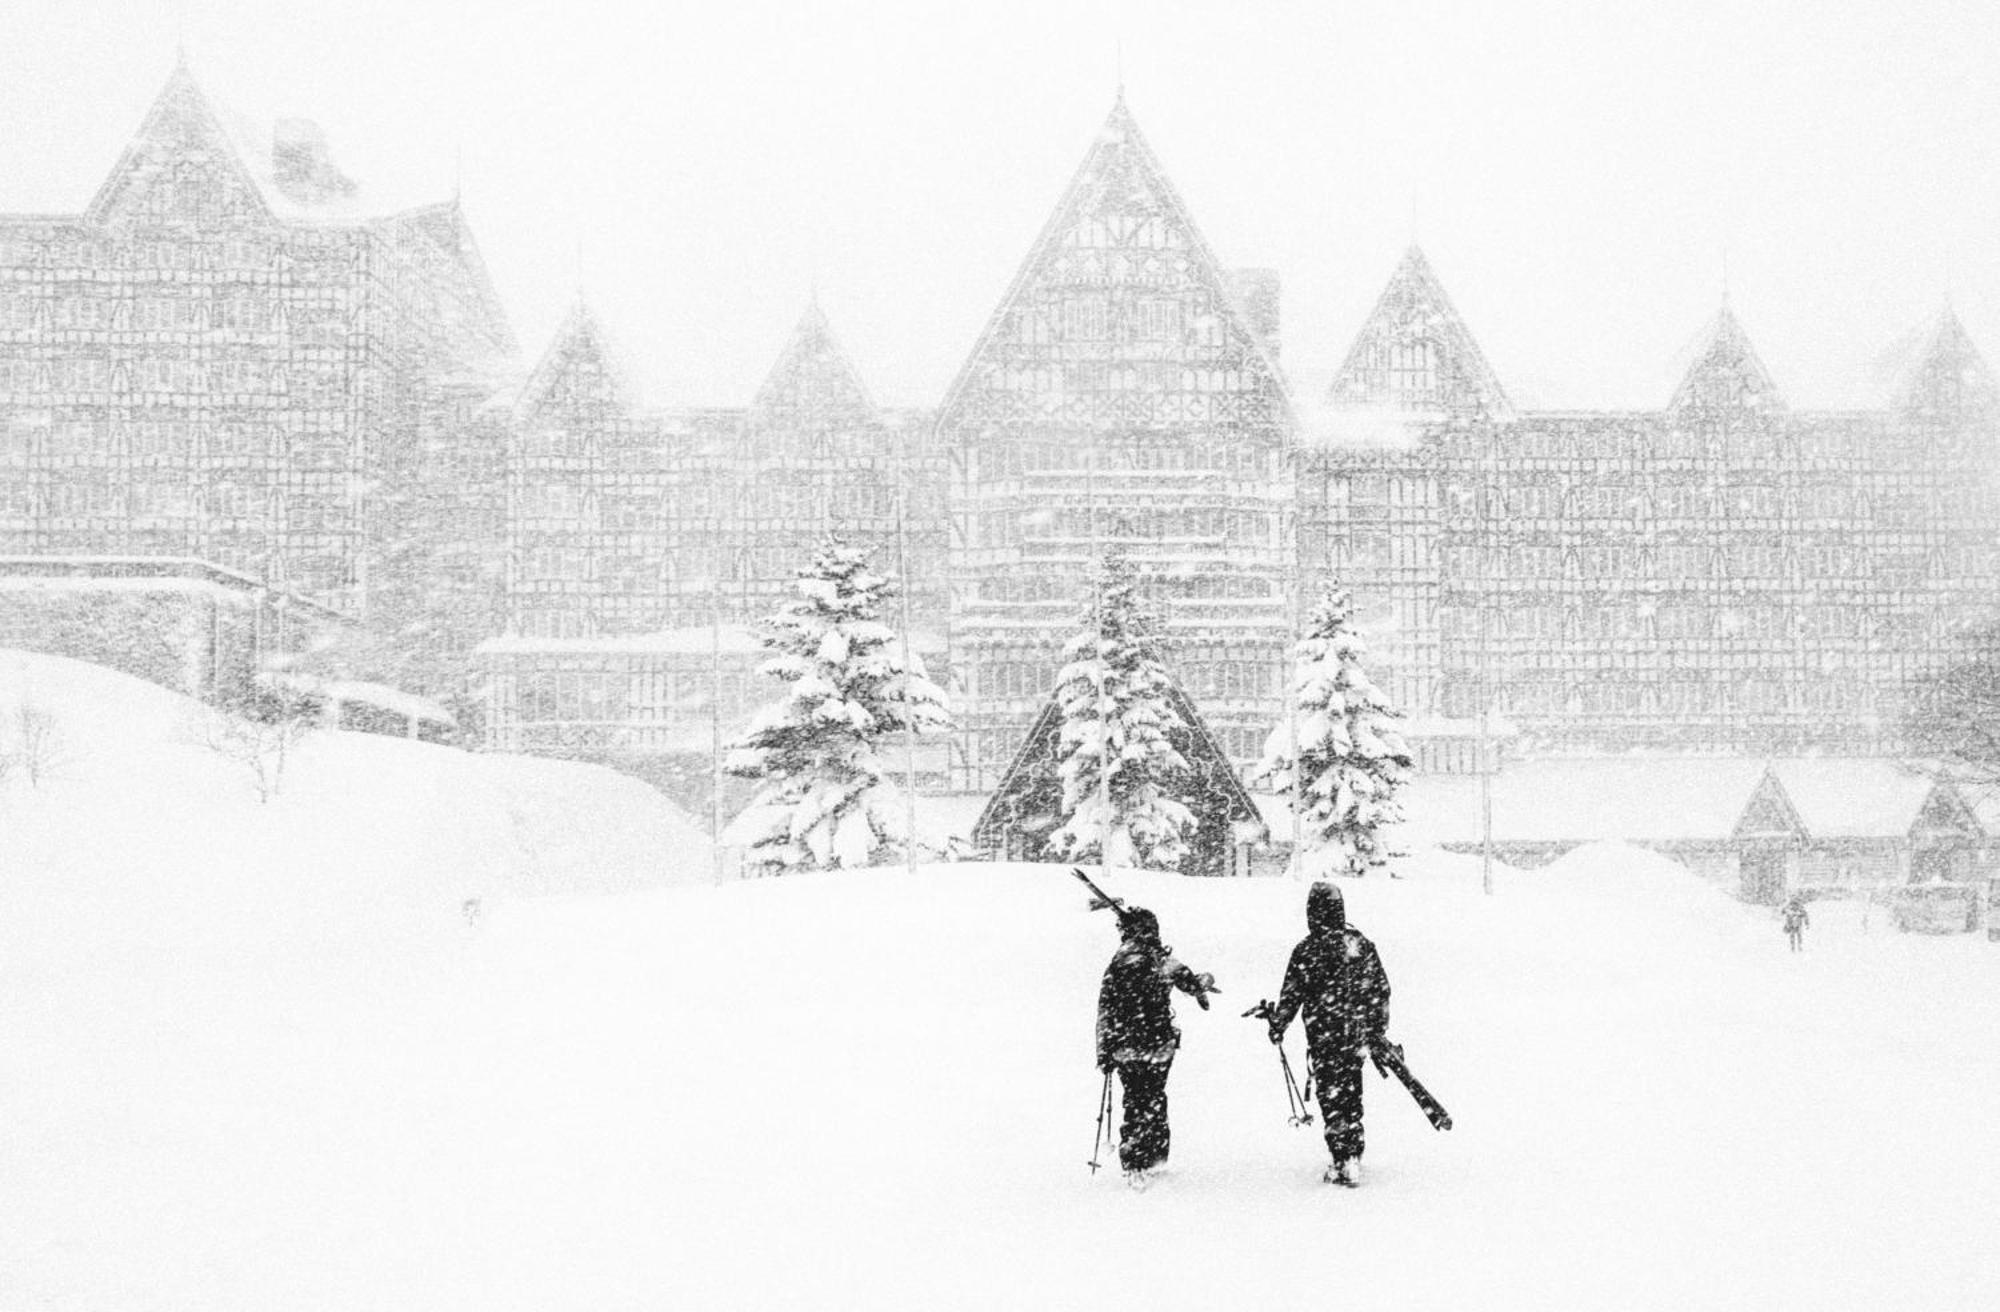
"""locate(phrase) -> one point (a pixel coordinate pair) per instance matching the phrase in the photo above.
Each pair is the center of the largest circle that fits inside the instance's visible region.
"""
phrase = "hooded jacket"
(1135, 1015)
(1337, 977)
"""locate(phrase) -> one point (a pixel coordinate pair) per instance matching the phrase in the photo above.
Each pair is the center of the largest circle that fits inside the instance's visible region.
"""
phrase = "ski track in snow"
(255, 1058)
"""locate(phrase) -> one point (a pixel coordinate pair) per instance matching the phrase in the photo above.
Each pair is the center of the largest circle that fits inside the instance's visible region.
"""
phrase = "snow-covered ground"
(254, 1056)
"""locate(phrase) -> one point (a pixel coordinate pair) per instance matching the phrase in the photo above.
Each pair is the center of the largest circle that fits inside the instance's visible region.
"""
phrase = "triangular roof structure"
(1769, 814)
(1119, 176)
(1950, 379)
(444, 227)
(579, 369)
(180, 134)
(1726, 373)
(813, 385)
(1415, 354)
(1025, 808)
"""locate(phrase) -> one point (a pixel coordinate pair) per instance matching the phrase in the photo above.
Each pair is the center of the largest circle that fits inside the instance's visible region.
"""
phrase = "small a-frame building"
(1847, 824)
(1027, 806)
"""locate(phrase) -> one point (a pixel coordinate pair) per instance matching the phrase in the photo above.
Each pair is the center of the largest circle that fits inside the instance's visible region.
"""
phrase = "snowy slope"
(874, 1090)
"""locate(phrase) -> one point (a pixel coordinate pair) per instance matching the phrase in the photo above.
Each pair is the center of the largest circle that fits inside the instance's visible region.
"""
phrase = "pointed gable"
(579, 375)
(179, 168)
(1950, 381)
(1726, 374)
(1769, 814)
(1415, 354)
(439, 239)
(1946, 814)
(1025, 809)
(1118, 313)
(813, 388)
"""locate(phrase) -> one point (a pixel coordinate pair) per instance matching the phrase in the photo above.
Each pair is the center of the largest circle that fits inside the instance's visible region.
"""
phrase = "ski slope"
(255, 1057)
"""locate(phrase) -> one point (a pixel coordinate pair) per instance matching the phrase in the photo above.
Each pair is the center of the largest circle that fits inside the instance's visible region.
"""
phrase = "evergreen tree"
(1351, 758)
(827, 802)
(1111, 696)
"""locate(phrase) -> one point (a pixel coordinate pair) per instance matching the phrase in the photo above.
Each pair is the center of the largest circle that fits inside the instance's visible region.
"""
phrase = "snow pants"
(1338, 1076)
(1797, 936)
(1143, 1137)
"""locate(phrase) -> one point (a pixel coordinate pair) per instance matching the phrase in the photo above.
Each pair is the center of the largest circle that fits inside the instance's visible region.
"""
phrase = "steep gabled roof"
(1950, 379)
(813, 384)
(443, 227)
(1769, 813)
(180, 127)
(1030, 792)
(581, 364)
(1119, 172)
(1726, 373)
(1414, 313)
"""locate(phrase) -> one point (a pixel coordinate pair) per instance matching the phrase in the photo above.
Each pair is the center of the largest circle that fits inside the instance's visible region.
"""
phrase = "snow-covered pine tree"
(1112, 697)
(1354, 761)
(828, 802)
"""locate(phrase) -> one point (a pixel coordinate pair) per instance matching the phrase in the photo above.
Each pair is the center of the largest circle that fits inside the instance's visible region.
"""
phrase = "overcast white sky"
(1579, 171)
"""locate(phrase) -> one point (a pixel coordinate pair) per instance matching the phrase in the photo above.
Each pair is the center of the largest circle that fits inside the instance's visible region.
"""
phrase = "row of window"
(620, 696)
(1708, 502)
(1079, 459)
(23, 313)
(1666, 697)
(69, 375)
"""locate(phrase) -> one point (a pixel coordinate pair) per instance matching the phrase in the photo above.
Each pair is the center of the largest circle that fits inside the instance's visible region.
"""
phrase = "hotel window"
(1411, 367)
(1085, 320)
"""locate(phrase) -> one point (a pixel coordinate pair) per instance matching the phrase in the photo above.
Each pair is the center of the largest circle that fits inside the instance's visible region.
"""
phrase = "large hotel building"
(238, 411)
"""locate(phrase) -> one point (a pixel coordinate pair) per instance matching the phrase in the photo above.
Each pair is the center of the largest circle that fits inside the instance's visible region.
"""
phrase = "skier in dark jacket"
(1796, 921)
(1337, 977)
(1137, 1037)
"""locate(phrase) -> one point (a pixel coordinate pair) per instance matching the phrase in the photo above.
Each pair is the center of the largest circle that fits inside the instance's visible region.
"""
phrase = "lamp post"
(715, 724)
(909, 658)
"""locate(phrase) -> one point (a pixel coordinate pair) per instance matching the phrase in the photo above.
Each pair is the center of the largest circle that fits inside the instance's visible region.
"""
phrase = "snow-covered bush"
(260, 731)
(1119, 770)
(828, 802)
(1349, 755)
(31, 744)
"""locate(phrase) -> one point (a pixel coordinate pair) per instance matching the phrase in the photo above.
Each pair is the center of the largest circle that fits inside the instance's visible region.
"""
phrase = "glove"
(1277, 1032)
(1104, 1063)
(1204, 985)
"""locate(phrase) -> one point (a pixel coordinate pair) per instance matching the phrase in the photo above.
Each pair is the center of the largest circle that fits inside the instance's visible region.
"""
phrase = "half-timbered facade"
(219, 361)
(1124, 391)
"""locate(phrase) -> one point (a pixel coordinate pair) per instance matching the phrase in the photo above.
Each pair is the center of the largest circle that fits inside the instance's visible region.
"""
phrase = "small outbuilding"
(1027, 806)
(1847, 824)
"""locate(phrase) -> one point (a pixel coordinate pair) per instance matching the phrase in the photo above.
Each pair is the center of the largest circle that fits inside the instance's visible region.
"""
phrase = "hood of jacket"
(1326, 912)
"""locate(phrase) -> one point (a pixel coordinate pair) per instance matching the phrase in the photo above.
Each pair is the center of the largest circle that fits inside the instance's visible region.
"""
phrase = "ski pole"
(1295, 1099)
(1103, 1110)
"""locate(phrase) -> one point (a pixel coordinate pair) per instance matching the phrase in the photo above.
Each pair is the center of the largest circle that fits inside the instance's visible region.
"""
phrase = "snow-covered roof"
(735, 640)
(1656, 799)
(1854, 797)
(362, 693)
(1443, 726)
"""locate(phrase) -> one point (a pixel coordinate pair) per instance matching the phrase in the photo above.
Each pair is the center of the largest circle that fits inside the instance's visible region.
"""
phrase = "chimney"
(301, 166)
(1256, 293)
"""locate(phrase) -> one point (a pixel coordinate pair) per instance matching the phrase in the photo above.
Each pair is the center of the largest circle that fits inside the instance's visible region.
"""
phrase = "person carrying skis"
(1137, 1037)
(1336, 976)
(1796, 920)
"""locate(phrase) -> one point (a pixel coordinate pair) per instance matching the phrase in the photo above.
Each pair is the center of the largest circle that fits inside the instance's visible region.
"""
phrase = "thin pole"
(1288, 674)
(1485, 803)
(715, 724)
(1103, 724)
(909, 658)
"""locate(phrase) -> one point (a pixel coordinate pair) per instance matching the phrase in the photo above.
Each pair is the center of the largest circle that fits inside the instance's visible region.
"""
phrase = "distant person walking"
(1796, 920)
(1336, 976)
(1137, 1037)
